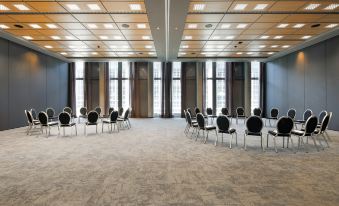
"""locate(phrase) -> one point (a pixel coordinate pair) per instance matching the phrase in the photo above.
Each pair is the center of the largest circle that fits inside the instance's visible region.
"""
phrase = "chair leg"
(275, 144)
(292, 145)
(216, 138)
(76, 130)
(102, 128)
(196, 136)
(315, 144)
(245, 142)
(96, 129)
(323, 135)
(206, 138)
(263, 148)
(267, 140)
(236, 138)
(231, 141)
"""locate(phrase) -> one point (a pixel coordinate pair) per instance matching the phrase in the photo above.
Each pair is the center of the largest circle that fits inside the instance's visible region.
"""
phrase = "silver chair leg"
(216, 138)
(315, 144)
(275, 144)
(231, 141)
(267, 140)
(245, 142)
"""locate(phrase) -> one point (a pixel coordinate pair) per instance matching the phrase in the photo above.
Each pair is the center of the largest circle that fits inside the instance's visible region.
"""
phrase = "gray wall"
(29, 79)
(306, 79)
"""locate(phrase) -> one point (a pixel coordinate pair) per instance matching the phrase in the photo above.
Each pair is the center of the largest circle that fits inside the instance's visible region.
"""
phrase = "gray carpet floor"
(154, 163)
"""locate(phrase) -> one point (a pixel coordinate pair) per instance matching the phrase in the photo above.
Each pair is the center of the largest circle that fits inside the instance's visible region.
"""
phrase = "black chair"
(196, 111)
(121, 112)
(83, 113)
(98, 110)
(254, 125)
(240, 113)
(43, 119)
(257, 112)
(51, 114)
(308, 113)
(124, 120)
(112, 121)
(69, 111)
(65, 121)
(308, 131)
(92, 120)
(322, 115)
(284, 129)
(224, 111)
(223, 124)
(291, 113)
(110, 110)
(322, 130)
(273, 115)
(209, 112)
(34, 116)
(32, 124)
(190, 111)
(191, 124)
(203, 127)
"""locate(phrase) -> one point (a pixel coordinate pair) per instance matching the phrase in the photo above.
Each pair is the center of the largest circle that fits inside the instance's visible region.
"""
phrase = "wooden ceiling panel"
(30, 18)
(287, 6)
(62, 18)
(204, 17)
(129, 17)
(119, 6)
(93, 17)
(272, 17)
(221, 6)
(240, 18)
(77, 26)
(47, 6)
(304, 17)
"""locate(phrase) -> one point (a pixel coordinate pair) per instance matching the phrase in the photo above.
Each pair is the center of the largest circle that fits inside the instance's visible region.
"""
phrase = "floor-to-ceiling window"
(113, 85)
(125, 99)
(255, 85)
(209, 85)
(79, 86)
(157, 81)
(176, 88)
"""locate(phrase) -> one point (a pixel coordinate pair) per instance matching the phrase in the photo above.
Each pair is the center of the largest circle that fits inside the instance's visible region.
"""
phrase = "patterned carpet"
(154, 163)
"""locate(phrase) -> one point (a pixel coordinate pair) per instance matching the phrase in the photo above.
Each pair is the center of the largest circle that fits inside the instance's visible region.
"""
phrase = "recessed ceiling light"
(35, 26)
(216, 37)
(3, 26)
(306, 37)
(125, 26)
(225, 26)
(63, 53)
(103, 37)
(240, 6)
(125, 47)
(94, 7)
(188, 37)
(117, 37)
(48, 47)
(331, 7)
(331, 25)
(141, 26)
(3, 8)
(269, 53)
(285, 46)
(274, 46)
(55, 37)
(298, 25)
(260, 6)
(185, 47)
(130, 53)
(262, 46)
(94, 53)
(52, 26)
(69, 37)
(312, 6)
(249, 53)
(108, 26)
(151, 53)
(146, 37)
(182, 53)
(229, 37)
(278, 37)
(73, 7)
(27, 37)
(239, 53)
(135, 7)
(241, 26)
(92, 26)
(282, 26)
(264, 37)
(192, 26)
(21, 7)
(199, 7)
(148, 47)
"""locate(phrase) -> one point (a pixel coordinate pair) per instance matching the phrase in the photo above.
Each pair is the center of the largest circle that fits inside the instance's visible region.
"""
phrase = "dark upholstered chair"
(284, 129)
(273, 115)
(51, 114)
(240, 114)
(121, 112)
(257, 112)
(32, 124)
(83, 113)
(110, 110)
(92, 120)
(98, 110)
(203, 127)
(224, 124)
(254, 125)
(124, 120)
(111, 121)
(291, 113)
(308, 113)
(210, 114)
(65, 121)
(191, 124)
(321, 131)
(308, 131)
(43, 119)
(321, 117)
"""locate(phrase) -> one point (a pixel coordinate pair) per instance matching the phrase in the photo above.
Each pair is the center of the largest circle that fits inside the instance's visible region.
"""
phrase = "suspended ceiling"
(168, 29)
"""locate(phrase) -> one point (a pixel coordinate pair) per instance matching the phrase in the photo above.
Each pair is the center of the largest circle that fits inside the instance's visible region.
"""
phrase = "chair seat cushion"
(210, 127)
(213, 116)
(120, 119)
(230, 131)
(300, 133)
(91, 123)
(108, 122)
(52, 123)
(67, 125)
(300, 121)
(275, 133)
(36, 122)
(253, 133)
(271, 117)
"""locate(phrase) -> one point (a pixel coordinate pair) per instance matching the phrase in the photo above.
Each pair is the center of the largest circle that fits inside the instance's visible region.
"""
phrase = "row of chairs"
(47, 120)
(254, 125)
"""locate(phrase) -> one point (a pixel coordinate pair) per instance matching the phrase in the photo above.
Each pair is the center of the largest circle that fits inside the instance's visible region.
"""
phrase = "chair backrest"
(285, 125)
(189, 118)
(223, 123)
(274, 112)
(83, 111)
(240, 111)
(64, 118)
(43, 118)
(201, 121)
(257, 112)
(209, 111)
(126, 114)
(254, 124)
(330, 114)
(311, 124)
(29, 116)
(307, 114)
(121, 111)
(98, 110)
(189, 111)
(33, 113)
(68, 110)
(197, 110)
(291, 113)
(92, 117)
(114, 116)
(110, 110)
(185, 115)
(224, 111)
(322, 115)
(324, 123)
(50, 112)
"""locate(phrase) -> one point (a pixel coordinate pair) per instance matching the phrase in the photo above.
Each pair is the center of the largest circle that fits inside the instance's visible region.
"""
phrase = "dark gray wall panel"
(3, 84)
(63, 85)
(52, 86)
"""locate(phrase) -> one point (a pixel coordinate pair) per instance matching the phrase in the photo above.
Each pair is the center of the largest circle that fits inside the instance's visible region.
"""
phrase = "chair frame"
(272, 118)
(111, 123)
(32, 124)
(241, 116)
(70, 124)
(261, 136)
(48, 125)
(301, 137)
(222, 133)
(203, 128)
(91, 123)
